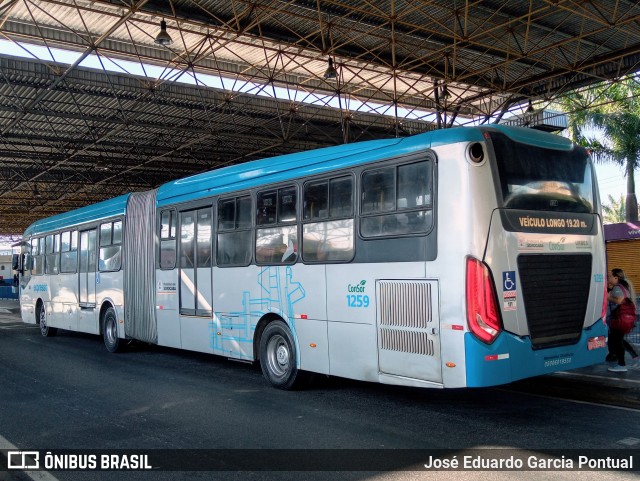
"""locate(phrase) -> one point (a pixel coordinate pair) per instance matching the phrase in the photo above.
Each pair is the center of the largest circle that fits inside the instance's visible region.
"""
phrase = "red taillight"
(483, 315)
(604, 307)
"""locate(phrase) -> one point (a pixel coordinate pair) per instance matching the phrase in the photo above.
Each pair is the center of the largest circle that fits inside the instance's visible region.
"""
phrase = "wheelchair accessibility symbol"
(509, 281)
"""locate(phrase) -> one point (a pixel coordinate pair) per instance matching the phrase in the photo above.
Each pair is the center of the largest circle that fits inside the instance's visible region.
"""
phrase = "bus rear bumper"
(510, 357)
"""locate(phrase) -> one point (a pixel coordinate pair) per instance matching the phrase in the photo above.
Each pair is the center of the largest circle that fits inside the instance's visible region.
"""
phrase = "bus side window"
(204, 237)
(32, 255)
(379, 190)
(52, 257)
(37, 253)
(234, 232)
(341, 197)
(409, 210)
(168, 239)
(328, 205)
(278, 243)
(110, 246)
(69, 251)
(316, 200)
(187, 239)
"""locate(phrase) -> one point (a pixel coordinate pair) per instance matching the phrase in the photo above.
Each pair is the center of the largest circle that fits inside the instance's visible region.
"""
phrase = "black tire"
(278, 357)
(45, 330)
(110, 331)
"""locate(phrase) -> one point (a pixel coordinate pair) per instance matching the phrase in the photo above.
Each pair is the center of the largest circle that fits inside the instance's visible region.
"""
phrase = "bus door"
(87, 277)
(195, 278)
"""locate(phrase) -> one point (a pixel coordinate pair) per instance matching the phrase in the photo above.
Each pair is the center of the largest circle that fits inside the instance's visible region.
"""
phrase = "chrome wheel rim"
(278, 355)
(111, 331)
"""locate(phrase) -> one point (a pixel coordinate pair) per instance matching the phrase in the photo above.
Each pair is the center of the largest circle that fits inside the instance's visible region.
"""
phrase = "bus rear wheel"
(278, 357)
(45, 330)
(110, 331)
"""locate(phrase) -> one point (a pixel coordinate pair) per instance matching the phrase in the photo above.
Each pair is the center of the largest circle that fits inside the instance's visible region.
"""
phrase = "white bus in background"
(458, 257)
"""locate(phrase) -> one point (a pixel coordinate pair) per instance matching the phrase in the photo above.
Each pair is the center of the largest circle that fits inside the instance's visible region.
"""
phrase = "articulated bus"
(453, 258)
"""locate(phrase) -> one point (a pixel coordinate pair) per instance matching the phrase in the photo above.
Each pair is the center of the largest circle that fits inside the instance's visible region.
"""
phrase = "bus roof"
(286, 167)
(101, 210)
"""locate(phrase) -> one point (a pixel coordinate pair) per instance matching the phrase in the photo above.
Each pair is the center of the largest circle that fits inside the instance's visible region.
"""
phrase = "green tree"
(613, 211)
(606, 120)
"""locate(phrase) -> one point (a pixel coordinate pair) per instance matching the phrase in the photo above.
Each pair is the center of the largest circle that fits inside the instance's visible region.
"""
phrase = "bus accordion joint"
(483, 316)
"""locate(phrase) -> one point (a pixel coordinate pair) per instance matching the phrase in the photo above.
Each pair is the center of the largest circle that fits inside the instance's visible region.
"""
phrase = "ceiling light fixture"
(530, 108)
(101, 165)
(163, 37)
(331, 71)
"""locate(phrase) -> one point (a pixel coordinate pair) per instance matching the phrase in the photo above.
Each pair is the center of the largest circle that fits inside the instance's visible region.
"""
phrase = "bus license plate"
(596, 342)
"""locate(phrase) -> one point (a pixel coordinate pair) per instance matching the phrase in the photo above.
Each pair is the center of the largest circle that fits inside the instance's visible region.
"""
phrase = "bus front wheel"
(110, 331)
(45, 330)
(278, 358)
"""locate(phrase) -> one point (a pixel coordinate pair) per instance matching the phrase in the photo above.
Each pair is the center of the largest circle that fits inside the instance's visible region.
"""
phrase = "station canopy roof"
(94, 103)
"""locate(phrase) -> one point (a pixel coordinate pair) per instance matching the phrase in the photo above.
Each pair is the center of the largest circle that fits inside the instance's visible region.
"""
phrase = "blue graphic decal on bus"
(278, 293)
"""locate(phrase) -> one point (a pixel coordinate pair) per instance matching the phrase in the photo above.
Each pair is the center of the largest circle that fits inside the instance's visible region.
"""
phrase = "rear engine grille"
(405, 304)
(406, 341)
(555, 289)
(404, 316)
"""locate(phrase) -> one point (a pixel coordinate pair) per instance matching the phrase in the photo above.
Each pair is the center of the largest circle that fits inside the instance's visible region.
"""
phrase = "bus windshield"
(535, 178)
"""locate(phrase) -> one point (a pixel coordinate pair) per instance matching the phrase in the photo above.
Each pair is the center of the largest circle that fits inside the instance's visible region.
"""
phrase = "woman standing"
(621, 289)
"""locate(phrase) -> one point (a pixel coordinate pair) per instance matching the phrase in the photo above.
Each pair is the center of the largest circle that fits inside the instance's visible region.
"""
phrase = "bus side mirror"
(15, 262)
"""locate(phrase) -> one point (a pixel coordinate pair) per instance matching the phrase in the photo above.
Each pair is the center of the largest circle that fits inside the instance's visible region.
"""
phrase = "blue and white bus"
(458, 257)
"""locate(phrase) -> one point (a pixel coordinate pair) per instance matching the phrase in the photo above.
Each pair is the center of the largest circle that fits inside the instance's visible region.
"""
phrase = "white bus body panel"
(167, 308)
(353, 323)
(64, 301)
(465, 200)
(195, 333)
(310, 317)
(352, 330)
(28, 299)
(109, 288)
(236, 305)
(61, 299)
(313, 340)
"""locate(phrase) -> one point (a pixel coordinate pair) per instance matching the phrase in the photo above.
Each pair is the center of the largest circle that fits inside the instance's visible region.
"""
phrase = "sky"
(612, 181)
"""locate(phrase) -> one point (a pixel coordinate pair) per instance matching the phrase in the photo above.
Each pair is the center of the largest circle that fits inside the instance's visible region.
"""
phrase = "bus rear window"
(535, 178)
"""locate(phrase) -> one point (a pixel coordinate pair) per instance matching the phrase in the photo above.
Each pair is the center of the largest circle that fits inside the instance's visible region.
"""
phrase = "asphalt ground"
(67, 392)
(602, 386)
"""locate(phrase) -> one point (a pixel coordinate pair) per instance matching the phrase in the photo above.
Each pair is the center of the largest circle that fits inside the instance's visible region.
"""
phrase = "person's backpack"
(623, 318)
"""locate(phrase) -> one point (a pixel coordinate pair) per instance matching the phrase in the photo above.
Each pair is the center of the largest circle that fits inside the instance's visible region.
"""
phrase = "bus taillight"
(483, 315)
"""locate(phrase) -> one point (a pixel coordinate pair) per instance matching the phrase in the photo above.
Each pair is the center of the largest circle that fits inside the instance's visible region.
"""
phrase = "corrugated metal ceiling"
(58, 122)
